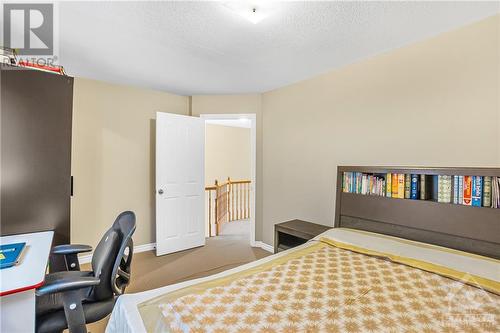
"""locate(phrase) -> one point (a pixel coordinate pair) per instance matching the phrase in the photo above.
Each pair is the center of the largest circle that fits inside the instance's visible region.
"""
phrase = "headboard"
(466, 228)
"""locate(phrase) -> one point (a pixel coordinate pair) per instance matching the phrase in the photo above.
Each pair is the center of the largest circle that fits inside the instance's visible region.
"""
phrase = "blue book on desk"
(10, 253)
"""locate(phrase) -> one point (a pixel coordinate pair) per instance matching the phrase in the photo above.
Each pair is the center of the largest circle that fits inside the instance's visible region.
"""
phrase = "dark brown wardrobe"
(35, 178)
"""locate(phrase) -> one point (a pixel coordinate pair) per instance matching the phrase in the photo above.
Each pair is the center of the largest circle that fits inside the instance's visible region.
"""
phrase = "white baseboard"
(264, 246)
(138, 248)
(144, 247)
(151, 246)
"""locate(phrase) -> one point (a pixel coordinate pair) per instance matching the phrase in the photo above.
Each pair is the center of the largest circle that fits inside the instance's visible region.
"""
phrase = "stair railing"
(227, 202)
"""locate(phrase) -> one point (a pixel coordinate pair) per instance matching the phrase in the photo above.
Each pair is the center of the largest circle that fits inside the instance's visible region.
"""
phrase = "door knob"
(160, 191)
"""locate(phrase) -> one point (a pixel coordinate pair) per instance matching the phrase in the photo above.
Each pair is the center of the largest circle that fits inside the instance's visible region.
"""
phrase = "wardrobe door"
(36, 110)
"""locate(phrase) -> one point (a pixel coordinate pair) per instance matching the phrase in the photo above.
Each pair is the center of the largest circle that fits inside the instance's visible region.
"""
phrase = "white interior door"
(180, 183)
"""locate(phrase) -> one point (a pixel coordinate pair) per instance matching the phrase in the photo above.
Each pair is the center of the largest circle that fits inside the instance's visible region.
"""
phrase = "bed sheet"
(126, 317)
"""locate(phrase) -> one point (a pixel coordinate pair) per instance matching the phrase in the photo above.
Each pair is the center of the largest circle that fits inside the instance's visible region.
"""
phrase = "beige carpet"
(219, 254)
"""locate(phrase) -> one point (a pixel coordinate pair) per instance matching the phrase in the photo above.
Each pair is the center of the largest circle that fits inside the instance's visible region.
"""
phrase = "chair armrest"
(67, 283)
(71, 249)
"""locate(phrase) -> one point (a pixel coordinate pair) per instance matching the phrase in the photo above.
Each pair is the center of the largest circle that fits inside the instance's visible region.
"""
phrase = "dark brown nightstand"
(295, 232)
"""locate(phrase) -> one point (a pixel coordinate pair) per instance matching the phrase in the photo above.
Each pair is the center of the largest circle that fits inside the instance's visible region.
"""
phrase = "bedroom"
(329, 84)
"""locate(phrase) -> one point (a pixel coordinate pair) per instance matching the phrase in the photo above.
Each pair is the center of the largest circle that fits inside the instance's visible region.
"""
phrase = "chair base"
(56, 321)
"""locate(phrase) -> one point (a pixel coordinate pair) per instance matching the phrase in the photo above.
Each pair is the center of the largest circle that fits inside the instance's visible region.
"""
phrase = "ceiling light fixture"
(253, 11)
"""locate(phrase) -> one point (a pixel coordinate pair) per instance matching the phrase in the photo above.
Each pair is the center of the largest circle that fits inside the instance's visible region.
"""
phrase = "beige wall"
(227, 104)
(433, 103)
(227, 153)
(113, 156)
(417, 105)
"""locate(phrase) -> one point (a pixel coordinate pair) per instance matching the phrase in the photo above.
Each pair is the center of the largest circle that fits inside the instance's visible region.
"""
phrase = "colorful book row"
(476, 191)
(357, 182)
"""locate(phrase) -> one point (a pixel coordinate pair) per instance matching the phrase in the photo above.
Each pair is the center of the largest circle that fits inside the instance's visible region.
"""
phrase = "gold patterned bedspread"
(327, 288)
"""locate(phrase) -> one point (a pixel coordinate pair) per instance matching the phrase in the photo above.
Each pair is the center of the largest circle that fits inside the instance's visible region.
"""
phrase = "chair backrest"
(112, 258)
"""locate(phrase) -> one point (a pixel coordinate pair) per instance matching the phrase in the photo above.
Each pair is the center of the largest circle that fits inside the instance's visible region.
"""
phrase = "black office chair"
(70, 299)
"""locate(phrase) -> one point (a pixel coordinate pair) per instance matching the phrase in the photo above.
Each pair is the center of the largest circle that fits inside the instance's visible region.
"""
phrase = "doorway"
(230, 175)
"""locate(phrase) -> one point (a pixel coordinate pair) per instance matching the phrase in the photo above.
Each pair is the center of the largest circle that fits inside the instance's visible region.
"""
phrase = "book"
(444, 189)
(439, 194)
(467, 192)
(487, 191)
(46, 68)
(477, 191)
(359, 182)
(423, 187)
(401, 186)
(414, 187)
(388, 185)
(350, 182)
(407, 186)
(356, 182)
(10, 253)
(455, 190)
(394, 185)
(435, 188)
(357, 186)
(384, 186)
(460, 190)
(448, 188)
(495, 192)
(346, 179)
(353, 182)
(363, 184)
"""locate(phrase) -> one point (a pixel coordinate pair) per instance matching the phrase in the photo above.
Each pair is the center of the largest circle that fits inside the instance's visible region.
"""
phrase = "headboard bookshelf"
(458, 226)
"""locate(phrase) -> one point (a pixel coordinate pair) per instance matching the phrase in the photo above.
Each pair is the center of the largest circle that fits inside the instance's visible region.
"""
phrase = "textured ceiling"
(203, 48)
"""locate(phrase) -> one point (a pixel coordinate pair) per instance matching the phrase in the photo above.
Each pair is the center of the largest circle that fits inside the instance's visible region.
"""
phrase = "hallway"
(236, 228)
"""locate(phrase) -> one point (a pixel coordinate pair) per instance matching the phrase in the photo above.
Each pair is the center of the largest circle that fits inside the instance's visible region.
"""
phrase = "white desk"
(18, 283)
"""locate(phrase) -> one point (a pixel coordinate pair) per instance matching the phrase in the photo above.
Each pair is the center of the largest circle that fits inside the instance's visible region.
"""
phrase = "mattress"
(343, 280)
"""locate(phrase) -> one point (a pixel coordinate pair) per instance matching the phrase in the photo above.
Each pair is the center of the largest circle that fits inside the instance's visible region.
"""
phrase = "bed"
(344, 280)
(388, 265)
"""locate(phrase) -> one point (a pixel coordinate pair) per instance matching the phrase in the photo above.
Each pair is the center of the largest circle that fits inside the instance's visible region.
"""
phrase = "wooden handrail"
(214, 187)
(241, 181)
(230, 202)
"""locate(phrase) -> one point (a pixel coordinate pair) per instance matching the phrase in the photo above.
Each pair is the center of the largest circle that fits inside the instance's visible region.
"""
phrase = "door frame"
(253, 158)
